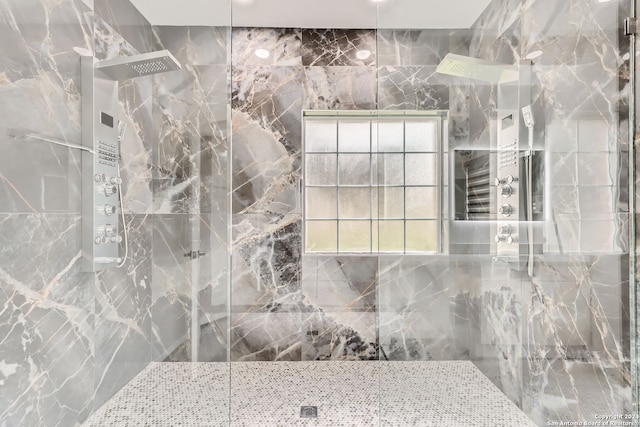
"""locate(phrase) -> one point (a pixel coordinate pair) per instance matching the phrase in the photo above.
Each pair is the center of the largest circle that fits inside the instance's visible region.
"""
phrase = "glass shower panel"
(531, 297)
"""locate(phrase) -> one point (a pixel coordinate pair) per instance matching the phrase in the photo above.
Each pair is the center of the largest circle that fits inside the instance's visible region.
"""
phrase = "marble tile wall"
(47, 311)
(71, 339)
(275, 288)
(566, 325)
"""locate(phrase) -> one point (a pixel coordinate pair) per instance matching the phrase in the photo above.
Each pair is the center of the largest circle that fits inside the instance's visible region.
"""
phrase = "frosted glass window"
(354, 169)
(321, 203)
(321, 236)
(390, 202)
(420, 169)
(390, 136)
(355, 236)
(389, 236)
(420, 136)
(354, 136)
(422, 236)
(390, 169)
(372, 183)
(354, 203)
(422, 202)
(321, 169)
(321, 135)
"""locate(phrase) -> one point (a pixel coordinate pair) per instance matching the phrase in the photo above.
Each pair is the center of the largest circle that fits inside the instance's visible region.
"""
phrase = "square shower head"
(478, 69)
(139, 65)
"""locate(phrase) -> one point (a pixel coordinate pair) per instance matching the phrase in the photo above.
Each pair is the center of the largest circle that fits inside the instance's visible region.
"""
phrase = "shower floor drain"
(308, 412)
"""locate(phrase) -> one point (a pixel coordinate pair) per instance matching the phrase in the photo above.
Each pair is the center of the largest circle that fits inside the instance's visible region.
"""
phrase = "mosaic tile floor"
(442, 393)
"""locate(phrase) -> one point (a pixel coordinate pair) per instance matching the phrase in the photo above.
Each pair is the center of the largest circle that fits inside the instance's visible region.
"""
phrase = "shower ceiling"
(314, 14)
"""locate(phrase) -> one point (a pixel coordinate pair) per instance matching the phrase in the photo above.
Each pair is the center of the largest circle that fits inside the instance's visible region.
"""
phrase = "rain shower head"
(478, 69)
(139, 65)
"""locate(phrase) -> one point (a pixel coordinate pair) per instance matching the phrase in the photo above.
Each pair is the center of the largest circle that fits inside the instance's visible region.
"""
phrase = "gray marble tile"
(340, 88)
(46, 322)
(123, 325)
(338, 47)
(413, 88)
(281, 44)
(195, 45)
(419, 47)
(127, 21)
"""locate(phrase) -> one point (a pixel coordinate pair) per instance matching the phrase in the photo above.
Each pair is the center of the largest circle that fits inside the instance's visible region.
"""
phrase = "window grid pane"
(386, 186)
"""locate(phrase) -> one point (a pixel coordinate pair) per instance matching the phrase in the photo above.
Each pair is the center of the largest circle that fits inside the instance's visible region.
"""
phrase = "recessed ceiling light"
(262, 53)
(363, 54)
(534, 54)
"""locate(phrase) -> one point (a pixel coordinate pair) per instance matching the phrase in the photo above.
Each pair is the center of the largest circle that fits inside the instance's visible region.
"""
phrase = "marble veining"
(333, 47)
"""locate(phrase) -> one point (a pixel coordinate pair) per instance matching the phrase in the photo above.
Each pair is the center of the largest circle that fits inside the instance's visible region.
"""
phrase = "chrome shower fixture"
(478, 69)
(144, 64)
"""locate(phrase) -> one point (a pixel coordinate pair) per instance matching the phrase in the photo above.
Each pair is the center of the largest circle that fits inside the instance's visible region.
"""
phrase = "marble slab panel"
(413, 88)
(46, 322)
(415, 308)
(123, 16)
(413, 47)
(338, 47)
(123, 325)
(282, 46)
(340, 88)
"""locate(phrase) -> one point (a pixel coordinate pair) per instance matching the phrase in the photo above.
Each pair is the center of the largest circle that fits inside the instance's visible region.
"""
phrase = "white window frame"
(375, 117)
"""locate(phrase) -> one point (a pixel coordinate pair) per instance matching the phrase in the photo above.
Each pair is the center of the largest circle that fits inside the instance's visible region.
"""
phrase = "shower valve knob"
(505, 210)
(506, 190)
(116, 180)
(115, 239)
(505, 229)
(109, 230)
(503, 181)
(500, 238)
(512, 239)
(110, 189)
(109, 210)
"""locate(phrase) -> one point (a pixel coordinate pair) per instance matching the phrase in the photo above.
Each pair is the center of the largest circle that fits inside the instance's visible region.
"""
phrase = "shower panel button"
(505, 210)
(109, 210)
(505, 229)
(506, 190)
(110, 189)
(499, 238)
(503, 181)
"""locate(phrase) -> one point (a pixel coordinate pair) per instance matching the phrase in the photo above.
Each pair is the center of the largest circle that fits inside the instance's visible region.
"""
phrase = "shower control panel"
(106, 193)
(101, 225)
(507, 183)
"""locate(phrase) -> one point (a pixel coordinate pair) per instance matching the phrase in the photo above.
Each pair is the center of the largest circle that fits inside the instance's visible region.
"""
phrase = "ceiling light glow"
(363, 54)
(262, 53)
(534, 54)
